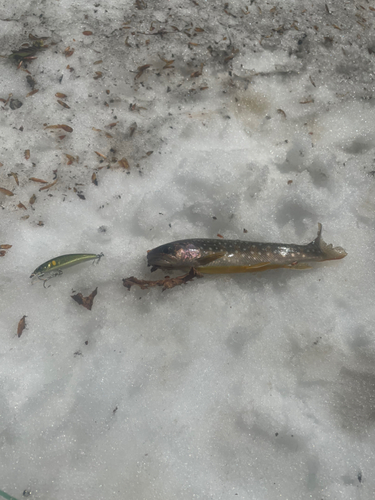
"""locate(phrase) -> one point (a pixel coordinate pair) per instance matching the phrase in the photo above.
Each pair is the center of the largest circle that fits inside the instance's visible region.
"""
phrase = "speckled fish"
(210, 256)
(55, 266)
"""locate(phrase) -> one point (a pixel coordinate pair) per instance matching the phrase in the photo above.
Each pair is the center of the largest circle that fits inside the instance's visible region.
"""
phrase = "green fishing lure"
(54, 267)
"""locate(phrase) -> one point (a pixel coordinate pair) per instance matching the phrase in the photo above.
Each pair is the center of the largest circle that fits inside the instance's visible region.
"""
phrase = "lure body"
(210, 256)
(57, 264)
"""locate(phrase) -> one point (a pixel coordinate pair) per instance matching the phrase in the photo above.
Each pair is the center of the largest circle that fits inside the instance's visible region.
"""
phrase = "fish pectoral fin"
(203, 261)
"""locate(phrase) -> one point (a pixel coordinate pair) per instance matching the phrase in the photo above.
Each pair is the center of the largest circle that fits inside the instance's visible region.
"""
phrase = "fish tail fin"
(329, 251)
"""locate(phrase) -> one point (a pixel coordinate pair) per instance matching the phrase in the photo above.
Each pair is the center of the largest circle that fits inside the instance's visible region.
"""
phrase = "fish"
(211, 256)
(54, 267)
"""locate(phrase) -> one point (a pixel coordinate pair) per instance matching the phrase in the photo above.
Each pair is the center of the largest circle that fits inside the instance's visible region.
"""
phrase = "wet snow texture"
(250, 116)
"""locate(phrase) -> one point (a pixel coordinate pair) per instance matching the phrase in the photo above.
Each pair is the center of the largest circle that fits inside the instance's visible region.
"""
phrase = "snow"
(253, 121)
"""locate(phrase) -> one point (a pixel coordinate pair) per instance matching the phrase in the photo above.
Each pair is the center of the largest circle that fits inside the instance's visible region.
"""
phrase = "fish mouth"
(159, 260)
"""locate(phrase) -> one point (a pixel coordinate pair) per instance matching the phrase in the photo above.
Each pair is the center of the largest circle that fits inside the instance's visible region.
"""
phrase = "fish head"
(175, 255)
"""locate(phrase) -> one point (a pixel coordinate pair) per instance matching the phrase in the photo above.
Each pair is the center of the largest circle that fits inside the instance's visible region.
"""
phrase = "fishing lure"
(54, 267)
(209, 256)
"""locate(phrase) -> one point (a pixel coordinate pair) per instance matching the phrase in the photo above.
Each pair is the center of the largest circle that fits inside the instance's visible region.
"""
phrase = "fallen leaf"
(98, 62)
(21, 205)
(21, 326)
(99, 74)
(87, 33)
(2, 253)
(35, 179)
(48, 186)
(100, 154)
(124, 163)
(71, 158)
(85, 301)
(166, 282)
(32, 92)
(64, 127)
(27, 154)
(6, 192)
(94, 180)
(5, 247)
(141, 69)
(219, 235)
(68, 52)
(32, 200)
(111, 125)
(63, 104)
(60, 95)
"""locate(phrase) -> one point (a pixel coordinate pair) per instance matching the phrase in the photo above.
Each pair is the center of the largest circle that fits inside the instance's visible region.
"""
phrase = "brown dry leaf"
(15, 176)
(60, 95)
(281, 112)
(63, 104)
(2, 253)
(71, 158)
(21, 205)
(124, 163)
(64, 127)
(32, 200)
(25, 217)
(219, 235)
(85, 301)
(5, 247)
(6, 192)
(98, 62)
(141, 69)
(68, 52)
(48, 186)
(166, 282)
(234, 52)
(100, 154)
(111, 125)
(27, 154)
(94, 180)
(87, 33)
(203, 88)
(35, 179)
(32, 92)
(21, 326)
(99, 74)
(307, 102)
(199, 30)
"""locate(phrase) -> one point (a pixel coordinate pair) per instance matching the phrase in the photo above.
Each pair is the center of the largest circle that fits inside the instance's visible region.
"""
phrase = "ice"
(253, 121)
